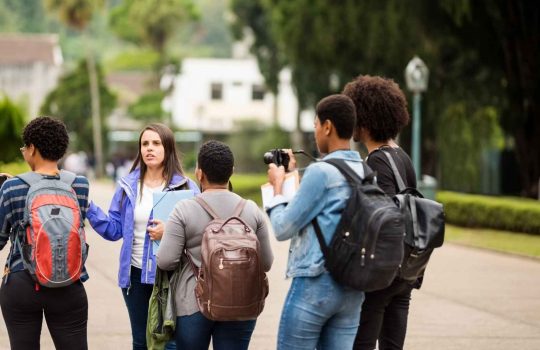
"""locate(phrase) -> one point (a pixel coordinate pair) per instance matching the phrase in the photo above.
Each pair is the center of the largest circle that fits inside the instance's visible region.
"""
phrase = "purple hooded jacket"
(119, 223)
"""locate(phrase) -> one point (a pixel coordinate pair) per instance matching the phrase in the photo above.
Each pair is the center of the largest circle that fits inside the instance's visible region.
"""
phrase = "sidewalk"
(471, 299)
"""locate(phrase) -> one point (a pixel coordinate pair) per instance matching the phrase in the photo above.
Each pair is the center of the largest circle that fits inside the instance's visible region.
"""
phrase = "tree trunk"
(96, 115)
(521, 55)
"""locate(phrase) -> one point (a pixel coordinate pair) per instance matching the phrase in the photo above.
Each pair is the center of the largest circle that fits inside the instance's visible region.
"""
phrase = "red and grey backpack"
(51, 240)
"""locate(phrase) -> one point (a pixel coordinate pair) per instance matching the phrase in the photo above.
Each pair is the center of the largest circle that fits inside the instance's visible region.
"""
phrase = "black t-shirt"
(378, 162)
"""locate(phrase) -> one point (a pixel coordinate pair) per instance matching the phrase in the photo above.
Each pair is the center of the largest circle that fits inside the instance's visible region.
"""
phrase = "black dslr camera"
(278, 157)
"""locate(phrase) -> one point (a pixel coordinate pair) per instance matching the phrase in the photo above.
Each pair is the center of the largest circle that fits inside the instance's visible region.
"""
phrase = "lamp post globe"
(416, 77)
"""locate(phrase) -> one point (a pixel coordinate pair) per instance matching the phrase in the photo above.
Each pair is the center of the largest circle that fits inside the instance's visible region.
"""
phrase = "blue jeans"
(137, 298)
(193, 332)
(319, 313)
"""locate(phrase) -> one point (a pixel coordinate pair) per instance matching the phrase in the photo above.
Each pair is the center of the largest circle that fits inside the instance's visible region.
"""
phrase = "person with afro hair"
(381, 113)
(23, 301)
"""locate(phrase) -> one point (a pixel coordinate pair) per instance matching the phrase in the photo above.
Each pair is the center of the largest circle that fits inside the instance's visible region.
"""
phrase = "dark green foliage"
(156, 20)
(70, 101)
(12, 122)
(484, 54)
(466, 135)
(502, 213)
(250, 14)
(505, 35)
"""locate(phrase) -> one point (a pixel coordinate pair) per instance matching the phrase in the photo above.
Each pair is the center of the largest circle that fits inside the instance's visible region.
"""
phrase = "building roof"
(29, 48)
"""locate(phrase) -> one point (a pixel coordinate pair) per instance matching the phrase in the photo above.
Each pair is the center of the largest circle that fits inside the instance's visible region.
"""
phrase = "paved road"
(471, 299)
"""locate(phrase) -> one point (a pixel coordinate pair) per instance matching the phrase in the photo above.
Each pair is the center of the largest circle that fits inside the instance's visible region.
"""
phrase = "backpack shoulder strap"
(239, 207)
(67, 177)
(350, 174)
(399, 180)
(206, 207)
(320, 237)
(30, 177)
(194, 267)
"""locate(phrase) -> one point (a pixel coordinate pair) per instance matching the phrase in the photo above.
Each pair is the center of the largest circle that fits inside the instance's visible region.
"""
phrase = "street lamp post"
(416, 76)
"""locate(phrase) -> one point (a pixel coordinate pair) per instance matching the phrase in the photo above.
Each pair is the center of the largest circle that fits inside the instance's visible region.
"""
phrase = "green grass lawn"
(503, 241)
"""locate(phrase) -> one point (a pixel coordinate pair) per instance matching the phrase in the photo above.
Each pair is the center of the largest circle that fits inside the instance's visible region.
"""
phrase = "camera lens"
(268, 158)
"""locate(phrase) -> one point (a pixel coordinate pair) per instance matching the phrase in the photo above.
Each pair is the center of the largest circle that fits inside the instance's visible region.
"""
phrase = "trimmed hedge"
(502, 213)
(249, 186)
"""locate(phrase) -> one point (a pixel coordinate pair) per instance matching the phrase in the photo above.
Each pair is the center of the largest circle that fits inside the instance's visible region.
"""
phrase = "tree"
(11, 125)
(482, 53)
(506, 34)
(251, 15)
(156, 21)
(71, 102)
(77, 14)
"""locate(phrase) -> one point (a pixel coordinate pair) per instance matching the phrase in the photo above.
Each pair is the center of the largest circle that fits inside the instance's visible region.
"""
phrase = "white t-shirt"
(143, 207)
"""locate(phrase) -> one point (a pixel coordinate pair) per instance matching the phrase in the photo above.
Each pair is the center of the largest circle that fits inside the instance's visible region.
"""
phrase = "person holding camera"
(381, 113)
(318, 312)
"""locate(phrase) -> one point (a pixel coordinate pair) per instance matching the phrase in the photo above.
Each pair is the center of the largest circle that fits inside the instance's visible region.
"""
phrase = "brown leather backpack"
(231, 283)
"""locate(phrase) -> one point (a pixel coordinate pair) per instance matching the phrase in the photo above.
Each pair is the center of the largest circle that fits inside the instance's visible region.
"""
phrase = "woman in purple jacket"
(157, 168)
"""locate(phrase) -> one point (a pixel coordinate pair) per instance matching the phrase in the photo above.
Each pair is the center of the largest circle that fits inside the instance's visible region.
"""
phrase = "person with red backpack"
(222, 245)
(42, 214)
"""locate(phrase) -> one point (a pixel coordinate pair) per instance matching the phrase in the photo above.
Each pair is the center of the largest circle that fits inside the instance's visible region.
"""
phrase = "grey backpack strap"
(30, 177)
(399, 180)
(206, 207)
(67, 177)
(239, 207)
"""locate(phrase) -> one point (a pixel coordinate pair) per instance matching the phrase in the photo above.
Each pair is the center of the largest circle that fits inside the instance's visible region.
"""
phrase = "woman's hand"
(156, 230)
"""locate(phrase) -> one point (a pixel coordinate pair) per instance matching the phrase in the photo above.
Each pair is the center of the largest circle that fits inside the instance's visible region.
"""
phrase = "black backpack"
(367, 247)
(424, 226)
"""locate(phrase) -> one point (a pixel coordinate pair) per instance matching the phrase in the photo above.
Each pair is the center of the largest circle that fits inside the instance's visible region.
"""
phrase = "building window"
(257, 92)
(216, 91)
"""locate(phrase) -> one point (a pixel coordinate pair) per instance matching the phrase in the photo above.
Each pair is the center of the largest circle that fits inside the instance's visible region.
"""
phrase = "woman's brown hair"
(171, 160)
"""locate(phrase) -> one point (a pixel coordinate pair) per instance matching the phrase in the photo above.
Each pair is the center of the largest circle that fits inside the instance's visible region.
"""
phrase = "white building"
(213, 95)
(30, 66)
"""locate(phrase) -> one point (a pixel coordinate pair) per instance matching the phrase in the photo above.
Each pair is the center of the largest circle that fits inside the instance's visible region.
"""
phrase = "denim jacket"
(323, 194)
(119, 223)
